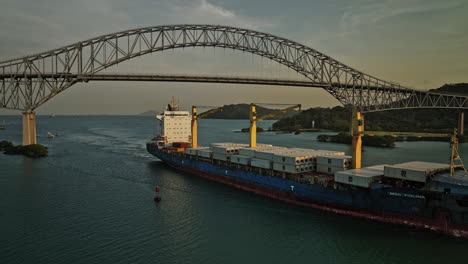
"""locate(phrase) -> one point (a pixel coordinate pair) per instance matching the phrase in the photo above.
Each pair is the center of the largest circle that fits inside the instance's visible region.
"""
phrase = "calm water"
(91, 201)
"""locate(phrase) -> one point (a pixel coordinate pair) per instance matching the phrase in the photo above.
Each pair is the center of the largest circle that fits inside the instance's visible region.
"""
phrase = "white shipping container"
(305, 157)
(293, 168)
(260, 163)
(329, 169)
(251, 151)
(414, 171)
(226, 150)
(205, 153)
(193, 151)
(220, 156)
(358, 177)
(268, 154)
(377, 167)
(228, 144)
(335, 160)
(293, 160)
(321, 152)
(231, 144)
(240, 159)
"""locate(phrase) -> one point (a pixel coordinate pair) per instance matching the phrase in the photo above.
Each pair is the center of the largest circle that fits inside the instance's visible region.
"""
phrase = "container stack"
(205, 153)
(194, 151)
(251, 151)
(241, 159)
(269, 154)
(260, 163)
(417, 171)
(247, 154)
(281, 159)
(359, 177)
(333, 163)
(377, 167)
(223, 151)
(302, 160)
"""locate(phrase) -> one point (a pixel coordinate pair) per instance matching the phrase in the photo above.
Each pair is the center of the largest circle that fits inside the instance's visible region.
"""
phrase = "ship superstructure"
(420, 194)
(174, 125)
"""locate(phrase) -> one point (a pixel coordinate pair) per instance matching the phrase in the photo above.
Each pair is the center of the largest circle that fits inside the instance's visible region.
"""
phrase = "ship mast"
(174, 105)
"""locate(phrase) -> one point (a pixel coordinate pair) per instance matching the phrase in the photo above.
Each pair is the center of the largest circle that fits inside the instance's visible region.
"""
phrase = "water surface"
(91, 201)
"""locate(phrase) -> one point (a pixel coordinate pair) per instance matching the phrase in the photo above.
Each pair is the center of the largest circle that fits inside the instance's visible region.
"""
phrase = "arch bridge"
(29, 82)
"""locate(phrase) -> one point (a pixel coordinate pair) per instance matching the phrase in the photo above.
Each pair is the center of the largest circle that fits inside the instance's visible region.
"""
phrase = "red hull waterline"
(440, 224)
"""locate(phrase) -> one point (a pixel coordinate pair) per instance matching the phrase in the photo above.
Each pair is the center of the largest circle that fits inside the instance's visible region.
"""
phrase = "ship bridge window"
(403, 173)
(329, 161)
(350, 179)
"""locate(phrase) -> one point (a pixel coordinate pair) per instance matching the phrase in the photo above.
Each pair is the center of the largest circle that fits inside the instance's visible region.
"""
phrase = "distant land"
(237, 111)
(408, 120)
(455, 88)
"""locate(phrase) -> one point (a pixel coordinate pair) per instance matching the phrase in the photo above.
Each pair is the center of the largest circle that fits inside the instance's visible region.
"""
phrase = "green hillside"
(455, 88)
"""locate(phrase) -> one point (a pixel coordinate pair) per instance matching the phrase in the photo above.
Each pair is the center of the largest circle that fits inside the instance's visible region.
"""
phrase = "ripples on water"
(90, 201)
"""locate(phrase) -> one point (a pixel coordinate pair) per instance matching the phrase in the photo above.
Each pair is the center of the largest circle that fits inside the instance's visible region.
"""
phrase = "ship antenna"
(455, 155)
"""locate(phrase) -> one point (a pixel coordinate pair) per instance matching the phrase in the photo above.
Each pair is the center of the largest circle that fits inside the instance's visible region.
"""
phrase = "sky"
(421, 44)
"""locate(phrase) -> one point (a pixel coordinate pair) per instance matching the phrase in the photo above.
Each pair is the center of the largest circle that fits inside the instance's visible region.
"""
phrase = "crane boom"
(195, 118)
(209, 112)
(279, 112)
(254, 119)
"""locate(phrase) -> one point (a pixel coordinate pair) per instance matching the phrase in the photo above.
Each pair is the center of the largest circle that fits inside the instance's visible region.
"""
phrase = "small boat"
(3, 126)
(51, 135)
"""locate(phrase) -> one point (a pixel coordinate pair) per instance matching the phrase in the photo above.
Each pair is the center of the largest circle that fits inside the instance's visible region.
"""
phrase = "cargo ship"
(423, 195)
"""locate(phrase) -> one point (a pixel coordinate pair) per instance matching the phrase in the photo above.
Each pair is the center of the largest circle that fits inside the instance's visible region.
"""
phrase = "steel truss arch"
(58, 69)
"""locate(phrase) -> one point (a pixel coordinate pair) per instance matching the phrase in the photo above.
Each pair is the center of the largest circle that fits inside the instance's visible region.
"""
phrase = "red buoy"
(157, 197)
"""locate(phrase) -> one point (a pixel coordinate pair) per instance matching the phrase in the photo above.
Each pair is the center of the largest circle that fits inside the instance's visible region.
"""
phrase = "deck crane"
(195, 118)
(254, 119)
(358, 131)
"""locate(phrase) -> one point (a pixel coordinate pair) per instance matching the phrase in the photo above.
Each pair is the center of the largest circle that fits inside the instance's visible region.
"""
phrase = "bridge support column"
(29, 128)
(461, 123)
(357, 127)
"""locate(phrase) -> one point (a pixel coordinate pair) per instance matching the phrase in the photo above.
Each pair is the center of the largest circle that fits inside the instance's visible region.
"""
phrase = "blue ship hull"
(412, 207)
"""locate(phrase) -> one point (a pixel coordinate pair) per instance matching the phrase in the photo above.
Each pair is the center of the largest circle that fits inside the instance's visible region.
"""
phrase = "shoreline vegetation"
(259, 129)
(33, 151)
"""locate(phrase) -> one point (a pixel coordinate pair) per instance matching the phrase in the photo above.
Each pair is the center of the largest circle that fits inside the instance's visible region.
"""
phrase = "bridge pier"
(461, 123)
(29, 128)
(357, 127)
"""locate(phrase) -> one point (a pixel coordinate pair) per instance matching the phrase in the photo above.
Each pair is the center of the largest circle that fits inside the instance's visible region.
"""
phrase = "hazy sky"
(417, 43)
